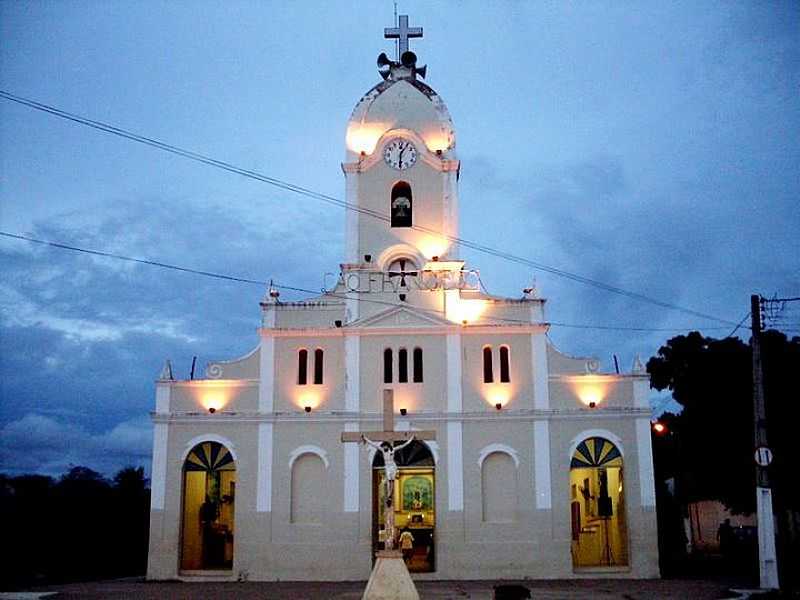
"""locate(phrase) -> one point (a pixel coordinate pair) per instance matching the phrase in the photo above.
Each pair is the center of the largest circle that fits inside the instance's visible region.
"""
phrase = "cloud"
(37, 443)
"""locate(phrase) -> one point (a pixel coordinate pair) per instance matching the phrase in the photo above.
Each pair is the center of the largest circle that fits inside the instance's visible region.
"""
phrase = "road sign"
(763, 456)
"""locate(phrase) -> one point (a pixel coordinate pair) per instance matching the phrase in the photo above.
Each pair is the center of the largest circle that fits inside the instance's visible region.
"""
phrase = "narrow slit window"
(387, 365)
(302, 367)
(318, 365)
(488, 371)
(417, 365)
(402, 365)
(505, 371)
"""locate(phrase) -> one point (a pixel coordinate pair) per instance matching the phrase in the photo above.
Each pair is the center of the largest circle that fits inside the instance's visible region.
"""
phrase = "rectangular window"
(387, 365)
(505, 367)
(402, 365)
(302, 367)
(417, 365)
(318, 355)
(488, 370)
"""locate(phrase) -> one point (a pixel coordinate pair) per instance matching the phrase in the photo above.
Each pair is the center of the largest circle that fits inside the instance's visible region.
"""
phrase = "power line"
(264, 283)
(107, 128)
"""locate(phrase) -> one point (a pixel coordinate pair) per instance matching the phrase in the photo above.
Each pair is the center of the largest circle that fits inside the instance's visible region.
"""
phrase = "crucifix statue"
(383, 441)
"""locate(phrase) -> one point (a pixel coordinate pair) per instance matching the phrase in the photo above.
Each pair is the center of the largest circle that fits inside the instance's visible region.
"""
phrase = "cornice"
(210, 383)
(521, 415)
(487, 329)
(596, 377)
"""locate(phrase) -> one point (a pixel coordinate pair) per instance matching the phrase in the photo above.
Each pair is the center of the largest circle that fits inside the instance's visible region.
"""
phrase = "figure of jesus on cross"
(383, 441)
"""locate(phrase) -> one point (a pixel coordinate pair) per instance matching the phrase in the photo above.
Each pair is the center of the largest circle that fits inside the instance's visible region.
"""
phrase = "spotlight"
(498, 406)
(439, 152)
(212, 410)
(592, 404)
(435, 259)
(403, 411)
(307, 409)
(368, 258)
(464, 322)
(338, 322)
(402, 297)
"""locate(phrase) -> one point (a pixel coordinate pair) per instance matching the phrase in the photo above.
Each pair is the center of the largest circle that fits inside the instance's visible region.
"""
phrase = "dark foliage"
(82, 526)
(710, 443)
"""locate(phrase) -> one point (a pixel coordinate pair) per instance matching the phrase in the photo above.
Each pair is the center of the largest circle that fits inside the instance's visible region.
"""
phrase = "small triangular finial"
(638, 366)
(166, 372)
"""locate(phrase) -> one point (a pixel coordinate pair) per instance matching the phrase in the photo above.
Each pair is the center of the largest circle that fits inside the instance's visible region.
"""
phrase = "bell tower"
(401, 168)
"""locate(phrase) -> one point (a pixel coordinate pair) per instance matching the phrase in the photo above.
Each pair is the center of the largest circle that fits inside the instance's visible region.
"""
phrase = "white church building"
(541, 465)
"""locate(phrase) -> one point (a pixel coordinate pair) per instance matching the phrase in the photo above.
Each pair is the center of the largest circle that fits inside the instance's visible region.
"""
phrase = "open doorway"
(209, 493)
(414, 505)
(597, 505)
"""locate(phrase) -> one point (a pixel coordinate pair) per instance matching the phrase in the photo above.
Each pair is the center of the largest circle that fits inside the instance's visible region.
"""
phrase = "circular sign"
(763, 456)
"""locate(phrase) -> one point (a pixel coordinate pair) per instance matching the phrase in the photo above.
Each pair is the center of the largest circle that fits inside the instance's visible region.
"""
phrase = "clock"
(400, 154)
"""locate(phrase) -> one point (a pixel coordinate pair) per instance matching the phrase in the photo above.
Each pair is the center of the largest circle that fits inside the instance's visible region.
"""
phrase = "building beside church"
(541, 466)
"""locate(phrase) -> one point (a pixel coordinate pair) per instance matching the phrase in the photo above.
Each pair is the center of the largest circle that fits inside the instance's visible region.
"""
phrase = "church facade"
(541, 465)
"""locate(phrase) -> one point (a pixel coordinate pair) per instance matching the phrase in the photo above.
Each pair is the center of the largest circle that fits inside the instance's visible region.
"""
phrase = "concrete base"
(390, 579)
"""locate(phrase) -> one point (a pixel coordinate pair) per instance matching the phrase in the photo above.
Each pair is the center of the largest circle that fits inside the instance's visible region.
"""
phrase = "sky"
(649, 146)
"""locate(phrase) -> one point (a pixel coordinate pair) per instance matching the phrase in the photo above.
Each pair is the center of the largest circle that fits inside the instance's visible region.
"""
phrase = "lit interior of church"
(599, 532)
(209, 486)
(414, 504)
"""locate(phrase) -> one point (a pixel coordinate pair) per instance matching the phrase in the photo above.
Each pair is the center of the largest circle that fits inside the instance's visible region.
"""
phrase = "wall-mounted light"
(307, 409)
(213, 401)
(338, 322)
(402, 297)
(592, 404)
(499, 405)
(403, 411)
(438, 152)
(368, 258)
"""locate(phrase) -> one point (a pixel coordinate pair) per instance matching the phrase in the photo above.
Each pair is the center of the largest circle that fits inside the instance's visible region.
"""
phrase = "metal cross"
(402, 33)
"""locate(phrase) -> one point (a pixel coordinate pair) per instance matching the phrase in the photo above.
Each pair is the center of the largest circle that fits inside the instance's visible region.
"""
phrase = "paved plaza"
(586, 589)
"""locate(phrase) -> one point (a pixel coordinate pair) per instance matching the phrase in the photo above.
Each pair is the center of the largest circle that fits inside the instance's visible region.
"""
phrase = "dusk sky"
(649, 146)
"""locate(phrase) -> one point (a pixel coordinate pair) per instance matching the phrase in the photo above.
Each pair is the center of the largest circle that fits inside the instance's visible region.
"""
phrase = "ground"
(585, 589)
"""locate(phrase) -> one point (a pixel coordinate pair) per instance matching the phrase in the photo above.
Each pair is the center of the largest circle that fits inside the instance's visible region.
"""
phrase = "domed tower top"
(400, 101)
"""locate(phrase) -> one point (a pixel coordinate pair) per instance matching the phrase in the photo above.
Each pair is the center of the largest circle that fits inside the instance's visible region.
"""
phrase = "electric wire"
(316, 293)
(111, 129)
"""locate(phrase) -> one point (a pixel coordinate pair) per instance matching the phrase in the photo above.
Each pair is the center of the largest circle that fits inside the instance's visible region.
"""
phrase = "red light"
(659, 428)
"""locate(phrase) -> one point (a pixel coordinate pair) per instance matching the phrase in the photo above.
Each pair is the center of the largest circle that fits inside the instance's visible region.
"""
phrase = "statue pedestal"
(390, 579)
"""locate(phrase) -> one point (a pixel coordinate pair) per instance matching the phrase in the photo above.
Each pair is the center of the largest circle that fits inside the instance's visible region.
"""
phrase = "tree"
(712, 380)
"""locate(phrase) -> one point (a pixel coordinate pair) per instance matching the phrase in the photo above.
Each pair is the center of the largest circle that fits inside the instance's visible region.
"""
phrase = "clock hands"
(400, 156)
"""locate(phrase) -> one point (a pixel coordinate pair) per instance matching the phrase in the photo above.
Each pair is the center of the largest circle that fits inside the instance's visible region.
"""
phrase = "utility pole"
(767, 560)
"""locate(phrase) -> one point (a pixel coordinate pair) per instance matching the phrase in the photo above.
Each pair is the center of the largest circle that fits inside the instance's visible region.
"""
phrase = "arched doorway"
(414, 504)
(209, 492)
(597, 505)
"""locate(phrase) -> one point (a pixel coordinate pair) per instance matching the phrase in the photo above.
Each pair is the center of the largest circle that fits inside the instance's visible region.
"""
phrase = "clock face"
(400, 154)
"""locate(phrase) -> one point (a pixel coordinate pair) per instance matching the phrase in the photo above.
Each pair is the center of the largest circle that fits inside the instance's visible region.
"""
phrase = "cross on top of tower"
(402, 33)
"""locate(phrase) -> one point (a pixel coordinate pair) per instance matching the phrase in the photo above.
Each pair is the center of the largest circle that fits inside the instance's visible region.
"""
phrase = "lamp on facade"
(307, 409)
(499, 406)
(403, 411)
